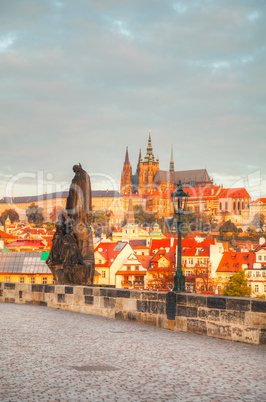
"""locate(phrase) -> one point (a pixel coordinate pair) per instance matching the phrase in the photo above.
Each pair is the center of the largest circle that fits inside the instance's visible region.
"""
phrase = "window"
(187, 273)
(32, 280)
(7, 278)
(100, 261)
(136, 268)
(264, 288)
(256, 288)
(265, 258)
(220, 206)
(44, 280)
(257, 273)
(226, 206)
(103, 274)
(128, 268)
(21, 279)
(219, 289)
(259, 257)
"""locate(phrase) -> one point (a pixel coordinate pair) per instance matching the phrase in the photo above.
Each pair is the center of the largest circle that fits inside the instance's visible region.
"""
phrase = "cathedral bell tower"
(147, 169)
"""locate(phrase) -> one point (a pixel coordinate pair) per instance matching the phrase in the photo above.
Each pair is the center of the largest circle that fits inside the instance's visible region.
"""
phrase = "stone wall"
(237, 319)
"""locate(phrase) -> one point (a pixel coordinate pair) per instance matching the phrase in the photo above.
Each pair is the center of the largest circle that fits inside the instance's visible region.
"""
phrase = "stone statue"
(54, 257)
(71, 258)
(70, 253)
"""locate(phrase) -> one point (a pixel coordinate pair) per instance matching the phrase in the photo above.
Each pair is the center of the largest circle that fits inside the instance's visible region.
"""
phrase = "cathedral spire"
(139, 161)
(172, 165)
(126, 176)
(149, 157)
(127, 157)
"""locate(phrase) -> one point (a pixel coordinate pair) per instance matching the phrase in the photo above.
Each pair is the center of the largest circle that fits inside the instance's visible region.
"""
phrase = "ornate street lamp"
(179, 199)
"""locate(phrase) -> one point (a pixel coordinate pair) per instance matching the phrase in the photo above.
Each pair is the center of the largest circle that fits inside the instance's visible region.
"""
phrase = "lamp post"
(179, 199)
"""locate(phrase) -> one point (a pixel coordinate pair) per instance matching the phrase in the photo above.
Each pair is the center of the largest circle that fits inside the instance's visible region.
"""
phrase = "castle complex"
(149, 178)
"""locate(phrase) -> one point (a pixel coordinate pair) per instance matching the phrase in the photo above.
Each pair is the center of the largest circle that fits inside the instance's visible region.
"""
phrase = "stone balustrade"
(237, 319)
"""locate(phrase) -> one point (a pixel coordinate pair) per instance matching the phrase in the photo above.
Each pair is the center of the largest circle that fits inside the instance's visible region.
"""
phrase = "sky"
(82, 80)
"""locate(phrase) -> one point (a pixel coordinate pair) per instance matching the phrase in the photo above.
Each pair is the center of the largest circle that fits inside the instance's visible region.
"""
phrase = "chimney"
(261, 241)
(172, 242)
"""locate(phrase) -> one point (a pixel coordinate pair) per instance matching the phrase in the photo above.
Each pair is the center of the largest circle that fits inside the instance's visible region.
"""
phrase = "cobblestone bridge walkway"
(55, 355)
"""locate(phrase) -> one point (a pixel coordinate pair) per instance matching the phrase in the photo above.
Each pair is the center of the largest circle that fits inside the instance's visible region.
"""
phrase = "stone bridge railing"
(237, 319)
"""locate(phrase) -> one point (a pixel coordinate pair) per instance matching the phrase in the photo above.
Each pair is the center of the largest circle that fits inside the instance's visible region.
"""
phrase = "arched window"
(238, 206)
(234, 206)
(226, 206)
(220, 206)
(243, 205)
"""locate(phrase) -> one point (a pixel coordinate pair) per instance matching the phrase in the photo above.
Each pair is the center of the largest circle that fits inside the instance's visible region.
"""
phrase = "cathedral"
(149, 178)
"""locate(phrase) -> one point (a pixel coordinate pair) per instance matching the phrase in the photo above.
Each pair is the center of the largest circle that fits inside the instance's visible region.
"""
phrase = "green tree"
(34, 215)
(142, 217)
(258, 221)
(238, 285)
(251, 229)
(12, 213)
(191, 222)
(228, 226)
(101, 217)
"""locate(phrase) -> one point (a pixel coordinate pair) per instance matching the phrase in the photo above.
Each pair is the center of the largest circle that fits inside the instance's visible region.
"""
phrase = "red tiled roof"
(144, 260)
(32, 243)
(260, 247)
(234, 193)
(193, 251)
(137, 243)
(232, 261)
(203, 192)
(109, 252)
(130, 272)
(5, 235)
(260, 200)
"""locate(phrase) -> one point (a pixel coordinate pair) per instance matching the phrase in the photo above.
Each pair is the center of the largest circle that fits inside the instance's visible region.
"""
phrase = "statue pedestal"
(77, 274)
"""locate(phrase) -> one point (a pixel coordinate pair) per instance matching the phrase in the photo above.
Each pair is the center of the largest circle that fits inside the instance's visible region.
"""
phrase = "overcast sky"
(82, 79)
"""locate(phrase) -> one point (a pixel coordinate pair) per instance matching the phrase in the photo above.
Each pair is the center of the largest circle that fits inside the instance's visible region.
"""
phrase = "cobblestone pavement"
(55, 355)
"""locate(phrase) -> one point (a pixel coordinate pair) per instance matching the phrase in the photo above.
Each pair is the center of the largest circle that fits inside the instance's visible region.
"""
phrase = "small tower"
(7, 222)
(147, 169)
(126, 176)
(172, 165)
(139, 161)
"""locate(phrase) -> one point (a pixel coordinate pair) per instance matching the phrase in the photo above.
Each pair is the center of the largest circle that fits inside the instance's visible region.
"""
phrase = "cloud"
(86, 79)
(7, 41)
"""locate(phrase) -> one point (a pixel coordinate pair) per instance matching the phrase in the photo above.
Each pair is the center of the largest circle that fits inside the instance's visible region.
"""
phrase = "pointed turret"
(126, 176)
(127, 157)
(172, 165)
(139, 161)
(149, 157)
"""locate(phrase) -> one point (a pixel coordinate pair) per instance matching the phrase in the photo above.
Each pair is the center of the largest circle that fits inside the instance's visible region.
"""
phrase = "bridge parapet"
(233, 318)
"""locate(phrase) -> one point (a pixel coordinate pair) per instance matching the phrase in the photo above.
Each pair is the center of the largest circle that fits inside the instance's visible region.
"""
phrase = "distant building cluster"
(151, 188)
(139, 256)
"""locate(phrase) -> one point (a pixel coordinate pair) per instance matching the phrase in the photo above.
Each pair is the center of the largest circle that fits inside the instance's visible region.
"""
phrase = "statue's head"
(77, 168)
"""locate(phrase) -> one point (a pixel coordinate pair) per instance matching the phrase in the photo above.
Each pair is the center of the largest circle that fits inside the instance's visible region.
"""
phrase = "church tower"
(147, 169)
(126, 176)
(172, 164)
